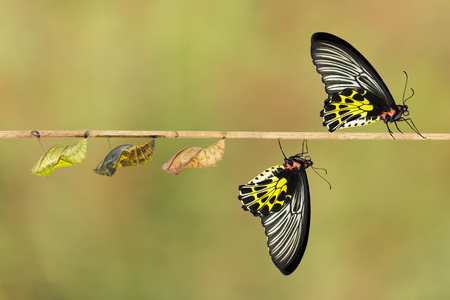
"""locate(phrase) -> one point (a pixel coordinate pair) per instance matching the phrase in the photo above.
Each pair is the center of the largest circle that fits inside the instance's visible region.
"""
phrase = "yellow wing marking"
(266, 193)
(347, 109)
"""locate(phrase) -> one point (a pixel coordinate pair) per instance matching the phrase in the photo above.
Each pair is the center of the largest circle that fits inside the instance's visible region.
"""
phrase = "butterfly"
(357, 95)
(280, 197)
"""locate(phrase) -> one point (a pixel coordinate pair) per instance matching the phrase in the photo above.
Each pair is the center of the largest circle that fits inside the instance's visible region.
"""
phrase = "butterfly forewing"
(287, 230)
(342, 66)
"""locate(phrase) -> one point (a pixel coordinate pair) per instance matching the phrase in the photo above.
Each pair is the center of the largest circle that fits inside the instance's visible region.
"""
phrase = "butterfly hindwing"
(267, 192)
(350, 108)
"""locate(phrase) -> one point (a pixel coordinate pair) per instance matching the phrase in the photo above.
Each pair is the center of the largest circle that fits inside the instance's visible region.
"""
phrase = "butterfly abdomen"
(292, 165)
(388, 116)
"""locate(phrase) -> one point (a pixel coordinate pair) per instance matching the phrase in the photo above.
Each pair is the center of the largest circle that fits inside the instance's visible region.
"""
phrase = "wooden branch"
(219, 135)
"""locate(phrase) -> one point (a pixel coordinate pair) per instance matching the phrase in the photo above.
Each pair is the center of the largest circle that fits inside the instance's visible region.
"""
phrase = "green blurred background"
(380, 233)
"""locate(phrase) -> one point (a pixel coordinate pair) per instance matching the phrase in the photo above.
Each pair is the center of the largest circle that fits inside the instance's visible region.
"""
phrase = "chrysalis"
(195, 157)
(124, 156)
(60, 156)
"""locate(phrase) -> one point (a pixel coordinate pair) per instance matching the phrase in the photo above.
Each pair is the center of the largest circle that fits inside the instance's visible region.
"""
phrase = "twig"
(221, 134)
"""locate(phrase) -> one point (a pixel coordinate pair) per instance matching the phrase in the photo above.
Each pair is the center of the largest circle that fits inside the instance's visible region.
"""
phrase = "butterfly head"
(297, 162)
(405, 110)
(401, 110)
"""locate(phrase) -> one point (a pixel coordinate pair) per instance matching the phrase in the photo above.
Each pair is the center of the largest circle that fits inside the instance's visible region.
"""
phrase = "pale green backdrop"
(382, 232)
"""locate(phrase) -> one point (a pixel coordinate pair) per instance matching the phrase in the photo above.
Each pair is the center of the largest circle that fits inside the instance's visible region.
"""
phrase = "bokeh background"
(380, 233)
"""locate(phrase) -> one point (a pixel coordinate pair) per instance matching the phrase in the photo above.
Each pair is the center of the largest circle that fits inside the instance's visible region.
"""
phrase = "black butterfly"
(280, 196)
(356, 93)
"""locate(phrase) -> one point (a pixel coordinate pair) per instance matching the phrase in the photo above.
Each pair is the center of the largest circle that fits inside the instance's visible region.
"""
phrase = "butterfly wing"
(268, 192)
(287, 230)
(343, 68)
(351, 108)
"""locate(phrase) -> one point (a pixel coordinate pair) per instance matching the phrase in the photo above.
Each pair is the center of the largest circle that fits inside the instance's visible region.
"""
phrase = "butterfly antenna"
(404, 90)
(314, 169)
(406, 84)
(109, 142)
(281, 148)
(412, 94)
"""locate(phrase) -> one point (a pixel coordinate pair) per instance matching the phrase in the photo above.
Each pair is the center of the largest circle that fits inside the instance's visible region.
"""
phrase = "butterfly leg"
(395, 122)
(412, 126)
(304, 146)
(390, 131)
(281, 148)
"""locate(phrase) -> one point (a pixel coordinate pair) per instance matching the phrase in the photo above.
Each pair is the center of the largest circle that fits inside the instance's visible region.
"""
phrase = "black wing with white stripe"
(343, 67)
(287, 230)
